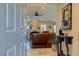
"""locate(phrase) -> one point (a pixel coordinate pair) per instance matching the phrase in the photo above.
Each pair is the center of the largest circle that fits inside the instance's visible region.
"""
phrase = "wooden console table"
(67, 40)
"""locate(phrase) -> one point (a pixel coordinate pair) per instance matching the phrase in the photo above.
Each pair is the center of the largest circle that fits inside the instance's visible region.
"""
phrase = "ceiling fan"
(35, 14)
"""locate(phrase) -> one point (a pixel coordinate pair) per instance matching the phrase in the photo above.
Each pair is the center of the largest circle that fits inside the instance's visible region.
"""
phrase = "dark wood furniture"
(40, 40)
(67, 40)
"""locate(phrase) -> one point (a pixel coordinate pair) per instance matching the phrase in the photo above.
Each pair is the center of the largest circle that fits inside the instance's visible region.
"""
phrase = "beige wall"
(74, 31)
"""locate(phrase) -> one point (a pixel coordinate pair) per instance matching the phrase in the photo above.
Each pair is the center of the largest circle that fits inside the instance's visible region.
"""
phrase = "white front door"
(12, 37)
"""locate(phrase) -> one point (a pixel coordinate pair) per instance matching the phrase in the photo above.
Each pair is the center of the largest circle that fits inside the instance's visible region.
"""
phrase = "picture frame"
(67, 17)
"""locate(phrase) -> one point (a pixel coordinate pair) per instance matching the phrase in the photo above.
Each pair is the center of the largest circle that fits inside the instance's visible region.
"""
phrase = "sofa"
(40, 40)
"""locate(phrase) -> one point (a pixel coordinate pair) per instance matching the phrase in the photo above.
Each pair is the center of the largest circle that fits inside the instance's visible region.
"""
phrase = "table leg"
(67, 47)
(59, 49)
(57, 46)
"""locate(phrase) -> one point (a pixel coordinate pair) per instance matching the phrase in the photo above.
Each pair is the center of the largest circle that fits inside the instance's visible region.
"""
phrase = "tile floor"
(42, 51)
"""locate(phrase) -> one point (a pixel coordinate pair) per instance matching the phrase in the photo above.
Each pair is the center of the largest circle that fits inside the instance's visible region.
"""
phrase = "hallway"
(42, 51)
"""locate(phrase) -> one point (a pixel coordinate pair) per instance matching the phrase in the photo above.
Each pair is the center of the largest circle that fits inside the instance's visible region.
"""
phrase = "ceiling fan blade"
(34, 14)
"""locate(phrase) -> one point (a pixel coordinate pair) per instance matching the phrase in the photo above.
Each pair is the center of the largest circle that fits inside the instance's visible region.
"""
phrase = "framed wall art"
(67, 17)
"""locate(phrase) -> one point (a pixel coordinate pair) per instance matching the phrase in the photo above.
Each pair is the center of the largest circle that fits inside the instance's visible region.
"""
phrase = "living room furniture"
(40, 40)
(67, 40)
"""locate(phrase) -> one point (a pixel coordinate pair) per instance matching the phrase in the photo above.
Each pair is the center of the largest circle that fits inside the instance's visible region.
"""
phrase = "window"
(55, 28)
(43, 27)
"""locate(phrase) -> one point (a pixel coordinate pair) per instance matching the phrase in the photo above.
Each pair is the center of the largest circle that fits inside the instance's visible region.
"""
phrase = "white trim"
(24, 29)
(7, 15)
(11, 49)
(21, 24)
(10, 31)
(15, 49)
(7, 22)
(25, 51)
(24, 48)
(14, 16)
(24, 20)
(20, 18)
(20, 48)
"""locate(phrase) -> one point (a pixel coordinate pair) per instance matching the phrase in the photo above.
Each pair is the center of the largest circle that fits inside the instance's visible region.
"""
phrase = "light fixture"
(33, 8)
(43, 8)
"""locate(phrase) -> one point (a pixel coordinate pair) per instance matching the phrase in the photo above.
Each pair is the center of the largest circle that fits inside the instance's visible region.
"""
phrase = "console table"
(67, 40)
(40, 40)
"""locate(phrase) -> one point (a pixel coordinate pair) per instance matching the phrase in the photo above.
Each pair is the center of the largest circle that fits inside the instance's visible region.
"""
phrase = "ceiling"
(47, 10)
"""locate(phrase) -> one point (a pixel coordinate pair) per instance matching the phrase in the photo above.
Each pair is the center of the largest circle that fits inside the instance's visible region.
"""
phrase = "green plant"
(53, 41)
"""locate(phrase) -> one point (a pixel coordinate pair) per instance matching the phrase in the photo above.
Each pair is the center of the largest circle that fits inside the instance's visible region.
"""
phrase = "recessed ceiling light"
(43, 7)
(33, 8)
